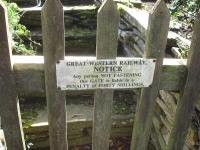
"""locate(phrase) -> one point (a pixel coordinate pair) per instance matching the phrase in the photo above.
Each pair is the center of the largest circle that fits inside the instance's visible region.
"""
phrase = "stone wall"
(132, 33)
(2, 141)
(80, 29)
(34, 3)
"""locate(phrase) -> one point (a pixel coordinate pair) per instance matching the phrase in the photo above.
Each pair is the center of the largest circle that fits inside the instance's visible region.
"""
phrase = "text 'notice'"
(105, 74)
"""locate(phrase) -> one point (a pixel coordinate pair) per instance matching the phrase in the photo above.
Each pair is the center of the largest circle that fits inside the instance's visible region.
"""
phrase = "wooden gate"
(106, 48)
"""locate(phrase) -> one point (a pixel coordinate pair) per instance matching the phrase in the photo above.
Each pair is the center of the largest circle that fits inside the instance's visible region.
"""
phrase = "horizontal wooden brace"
(29, 74)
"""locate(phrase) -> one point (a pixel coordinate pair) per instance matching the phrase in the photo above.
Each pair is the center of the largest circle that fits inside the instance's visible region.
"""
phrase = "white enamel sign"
(104, 74)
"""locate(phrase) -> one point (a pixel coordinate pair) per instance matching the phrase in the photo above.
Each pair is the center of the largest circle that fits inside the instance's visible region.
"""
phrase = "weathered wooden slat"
(2, 140)
(9, 104)
(54, 49)
(79, 131)
(106, 47)
(156, 128)
(155, 48)
(191, 91)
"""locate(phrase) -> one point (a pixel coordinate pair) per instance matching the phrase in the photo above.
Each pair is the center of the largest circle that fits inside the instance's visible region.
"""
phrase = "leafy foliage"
(183, 13)
(188, 7)
(21, 41)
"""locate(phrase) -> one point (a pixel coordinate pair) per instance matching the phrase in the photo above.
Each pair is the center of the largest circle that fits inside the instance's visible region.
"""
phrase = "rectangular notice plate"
(104, 74)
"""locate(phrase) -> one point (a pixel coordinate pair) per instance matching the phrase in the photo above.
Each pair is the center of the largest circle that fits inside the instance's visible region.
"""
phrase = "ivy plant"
(188, 7)
(183, 14)
(21, 40)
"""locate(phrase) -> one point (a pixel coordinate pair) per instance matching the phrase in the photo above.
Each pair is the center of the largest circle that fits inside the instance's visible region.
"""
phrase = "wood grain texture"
(155, 48)
(190, 94)
(107, 37)
(53, 44)
(9, 104)
(2, 140)
(157, 133)
(80, 131)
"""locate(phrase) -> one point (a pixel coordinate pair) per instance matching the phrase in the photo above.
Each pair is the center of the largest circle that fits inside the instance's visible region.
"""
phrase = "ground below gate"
(79, 117)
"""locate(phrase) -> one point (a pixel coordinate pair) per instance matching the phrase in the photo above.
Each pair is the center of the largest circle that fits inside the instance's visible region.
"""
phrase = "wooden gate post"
(54, 50)
(2, 140)
(154, 48)
(9, 104)
(191, 91)
(107, 39)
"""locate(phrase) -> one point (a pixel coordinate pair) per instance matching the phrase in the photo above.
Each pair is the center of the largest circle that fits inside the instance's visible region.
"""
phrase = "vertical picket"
(9, 103)
(191, 91)
(2, 140)
(54, 50)
(154, 48)
(107, 37)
